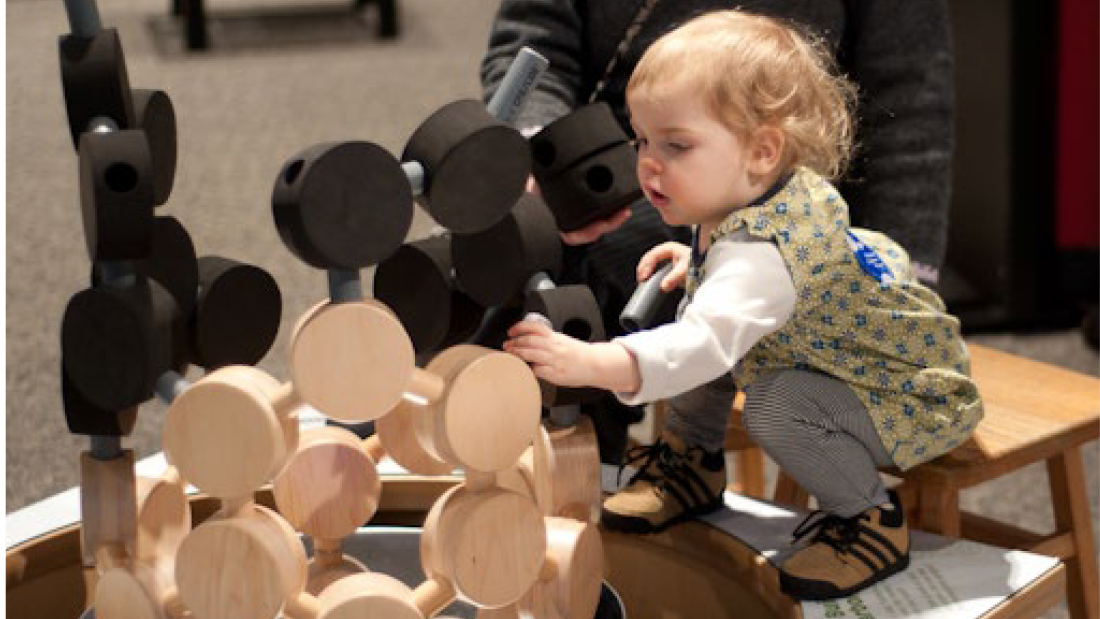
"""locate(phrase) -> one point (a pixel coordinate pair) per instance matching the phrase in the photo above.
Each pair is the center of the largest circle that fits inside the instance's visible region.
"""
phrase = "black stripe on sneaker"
(854, 552)
(882, 540)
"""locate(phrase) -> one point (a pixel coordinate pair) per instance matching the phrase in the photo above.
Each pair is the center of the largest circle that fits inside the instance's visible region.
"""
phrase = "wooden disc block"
(329, 487)
(489, 412)
(130, 592)
(574, 590)
(490, 545)
(397, 431)
(368, 596)
(223, 434)
(577, 490)
(163, 521)
(323, 572)
(245, 567)
(351, 361)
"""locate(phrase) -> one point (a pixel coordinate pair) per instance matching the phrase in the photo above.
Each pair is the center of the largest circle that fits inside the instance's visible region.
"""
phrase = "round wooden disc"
(329, 486)
(351, 361)
(164, 518)
(368, 596)
(490, 410)
(576, 477)
(397, 430)
(491, 544)
(243, 567)
(322, 574)
(574, 592)
(130, 592)
(223, 435)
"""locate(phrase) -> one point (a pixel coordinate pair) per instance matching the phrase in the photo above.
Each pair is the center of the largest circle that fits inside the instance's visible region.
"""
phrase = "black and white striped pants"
(812, 425)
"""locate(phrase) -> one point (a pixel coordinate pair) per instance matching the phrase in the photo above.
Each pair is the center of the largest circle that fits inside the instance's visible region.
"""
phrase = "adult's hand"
(593, 231)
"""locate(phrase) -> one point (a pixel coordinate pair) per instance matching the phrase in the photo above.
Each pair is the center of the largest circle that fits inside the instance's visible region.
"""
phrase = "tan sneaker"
(674, 482)
(847, 555)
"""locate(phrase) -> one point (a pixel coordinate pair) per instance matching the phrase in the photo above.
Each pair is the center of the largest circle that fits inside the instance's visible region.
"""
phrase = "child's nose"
(648, 166)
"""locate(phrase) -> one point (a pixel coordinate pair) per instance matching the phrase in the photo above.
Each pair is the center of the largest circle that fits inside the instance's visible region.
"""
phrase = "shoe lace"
(830, 529)
(646, 453)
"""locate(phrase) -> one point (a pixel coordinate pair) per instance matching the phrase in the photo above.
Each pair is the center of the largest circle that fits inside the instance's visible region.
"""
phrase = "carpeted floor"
(285, 74)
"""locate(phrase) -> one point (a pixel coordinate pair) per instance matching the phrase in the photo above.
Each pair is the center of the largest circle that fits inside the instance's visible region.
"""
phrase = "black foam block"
(572, 310)
(580, 134)
(593, 188)
(237, 315)
(493, 266)
(95, 82)
(84, 417)
(476, 167)
(116, 195)
(344, 205)
(155, 115)
(418, 284)
(116, 342)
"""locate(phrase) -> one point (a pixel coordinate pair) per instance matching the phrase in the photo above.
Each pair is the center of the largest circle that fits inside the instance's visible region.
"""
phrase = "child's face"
(692, 167)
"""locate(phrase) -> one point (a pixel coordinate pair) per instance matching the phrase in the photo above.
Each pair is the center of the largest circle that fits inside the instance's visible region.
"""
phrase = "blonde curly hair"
(757, 71)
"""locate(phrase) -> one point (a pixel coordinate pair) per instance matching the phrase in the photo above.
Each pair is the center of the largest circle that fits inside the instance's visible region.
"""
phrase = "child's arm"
(570, 362)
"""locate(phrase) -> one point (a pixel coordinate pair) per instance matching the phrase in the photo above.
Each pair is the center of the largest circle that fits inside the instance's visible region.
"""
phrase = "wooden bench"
(194, 16)
(1034, 412)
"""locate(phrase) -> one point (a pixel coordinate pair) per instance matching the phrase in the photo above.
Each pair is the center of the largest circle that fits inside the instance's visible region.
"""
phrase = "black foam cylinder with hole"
(85, 418)
(571, 138)
(344, 205)
(116, 195)
(571, 310)
(593, 188)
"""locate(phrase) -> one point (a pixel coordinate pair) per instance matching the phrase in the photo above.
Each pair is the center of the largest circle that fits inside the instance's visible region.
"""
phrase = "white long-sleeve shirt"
(746, 293)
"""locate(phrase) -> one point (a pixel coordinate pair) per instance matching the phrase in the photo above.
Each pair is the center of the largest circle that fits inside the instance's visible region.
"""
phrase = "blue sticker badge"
(869, 260)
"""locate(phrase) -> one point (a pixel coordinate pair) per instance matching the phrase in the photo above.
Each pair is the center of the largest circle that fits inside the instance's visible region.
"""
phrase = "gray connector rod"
(169, 386)
(643, 304)
(344, 286)
(415, 173)
(106, 447)
(539, 281)
(522, 75)
(83, 18)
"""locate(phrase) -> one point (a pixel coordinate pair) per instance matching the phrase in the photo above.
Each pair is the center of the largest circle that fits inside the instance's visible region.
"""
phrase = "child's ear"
(767, 150)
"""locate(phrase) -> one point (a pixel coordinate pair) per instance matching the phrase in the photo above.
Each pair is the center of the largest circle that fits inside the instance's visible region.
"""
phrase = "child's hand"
(553, 356)
(569, 362)
(678, 253)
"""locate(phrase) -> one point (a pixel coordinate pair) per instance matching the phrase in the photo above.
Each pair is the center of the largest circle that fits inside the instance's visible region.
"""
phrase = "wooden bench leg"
(939, 507)
(1071, 515)
(750, 472)
(790, 493)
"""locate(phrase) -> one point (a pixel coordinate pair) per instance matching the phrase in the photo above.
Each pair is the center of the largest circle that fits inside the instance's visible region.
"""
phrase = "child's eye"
(678, 147)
